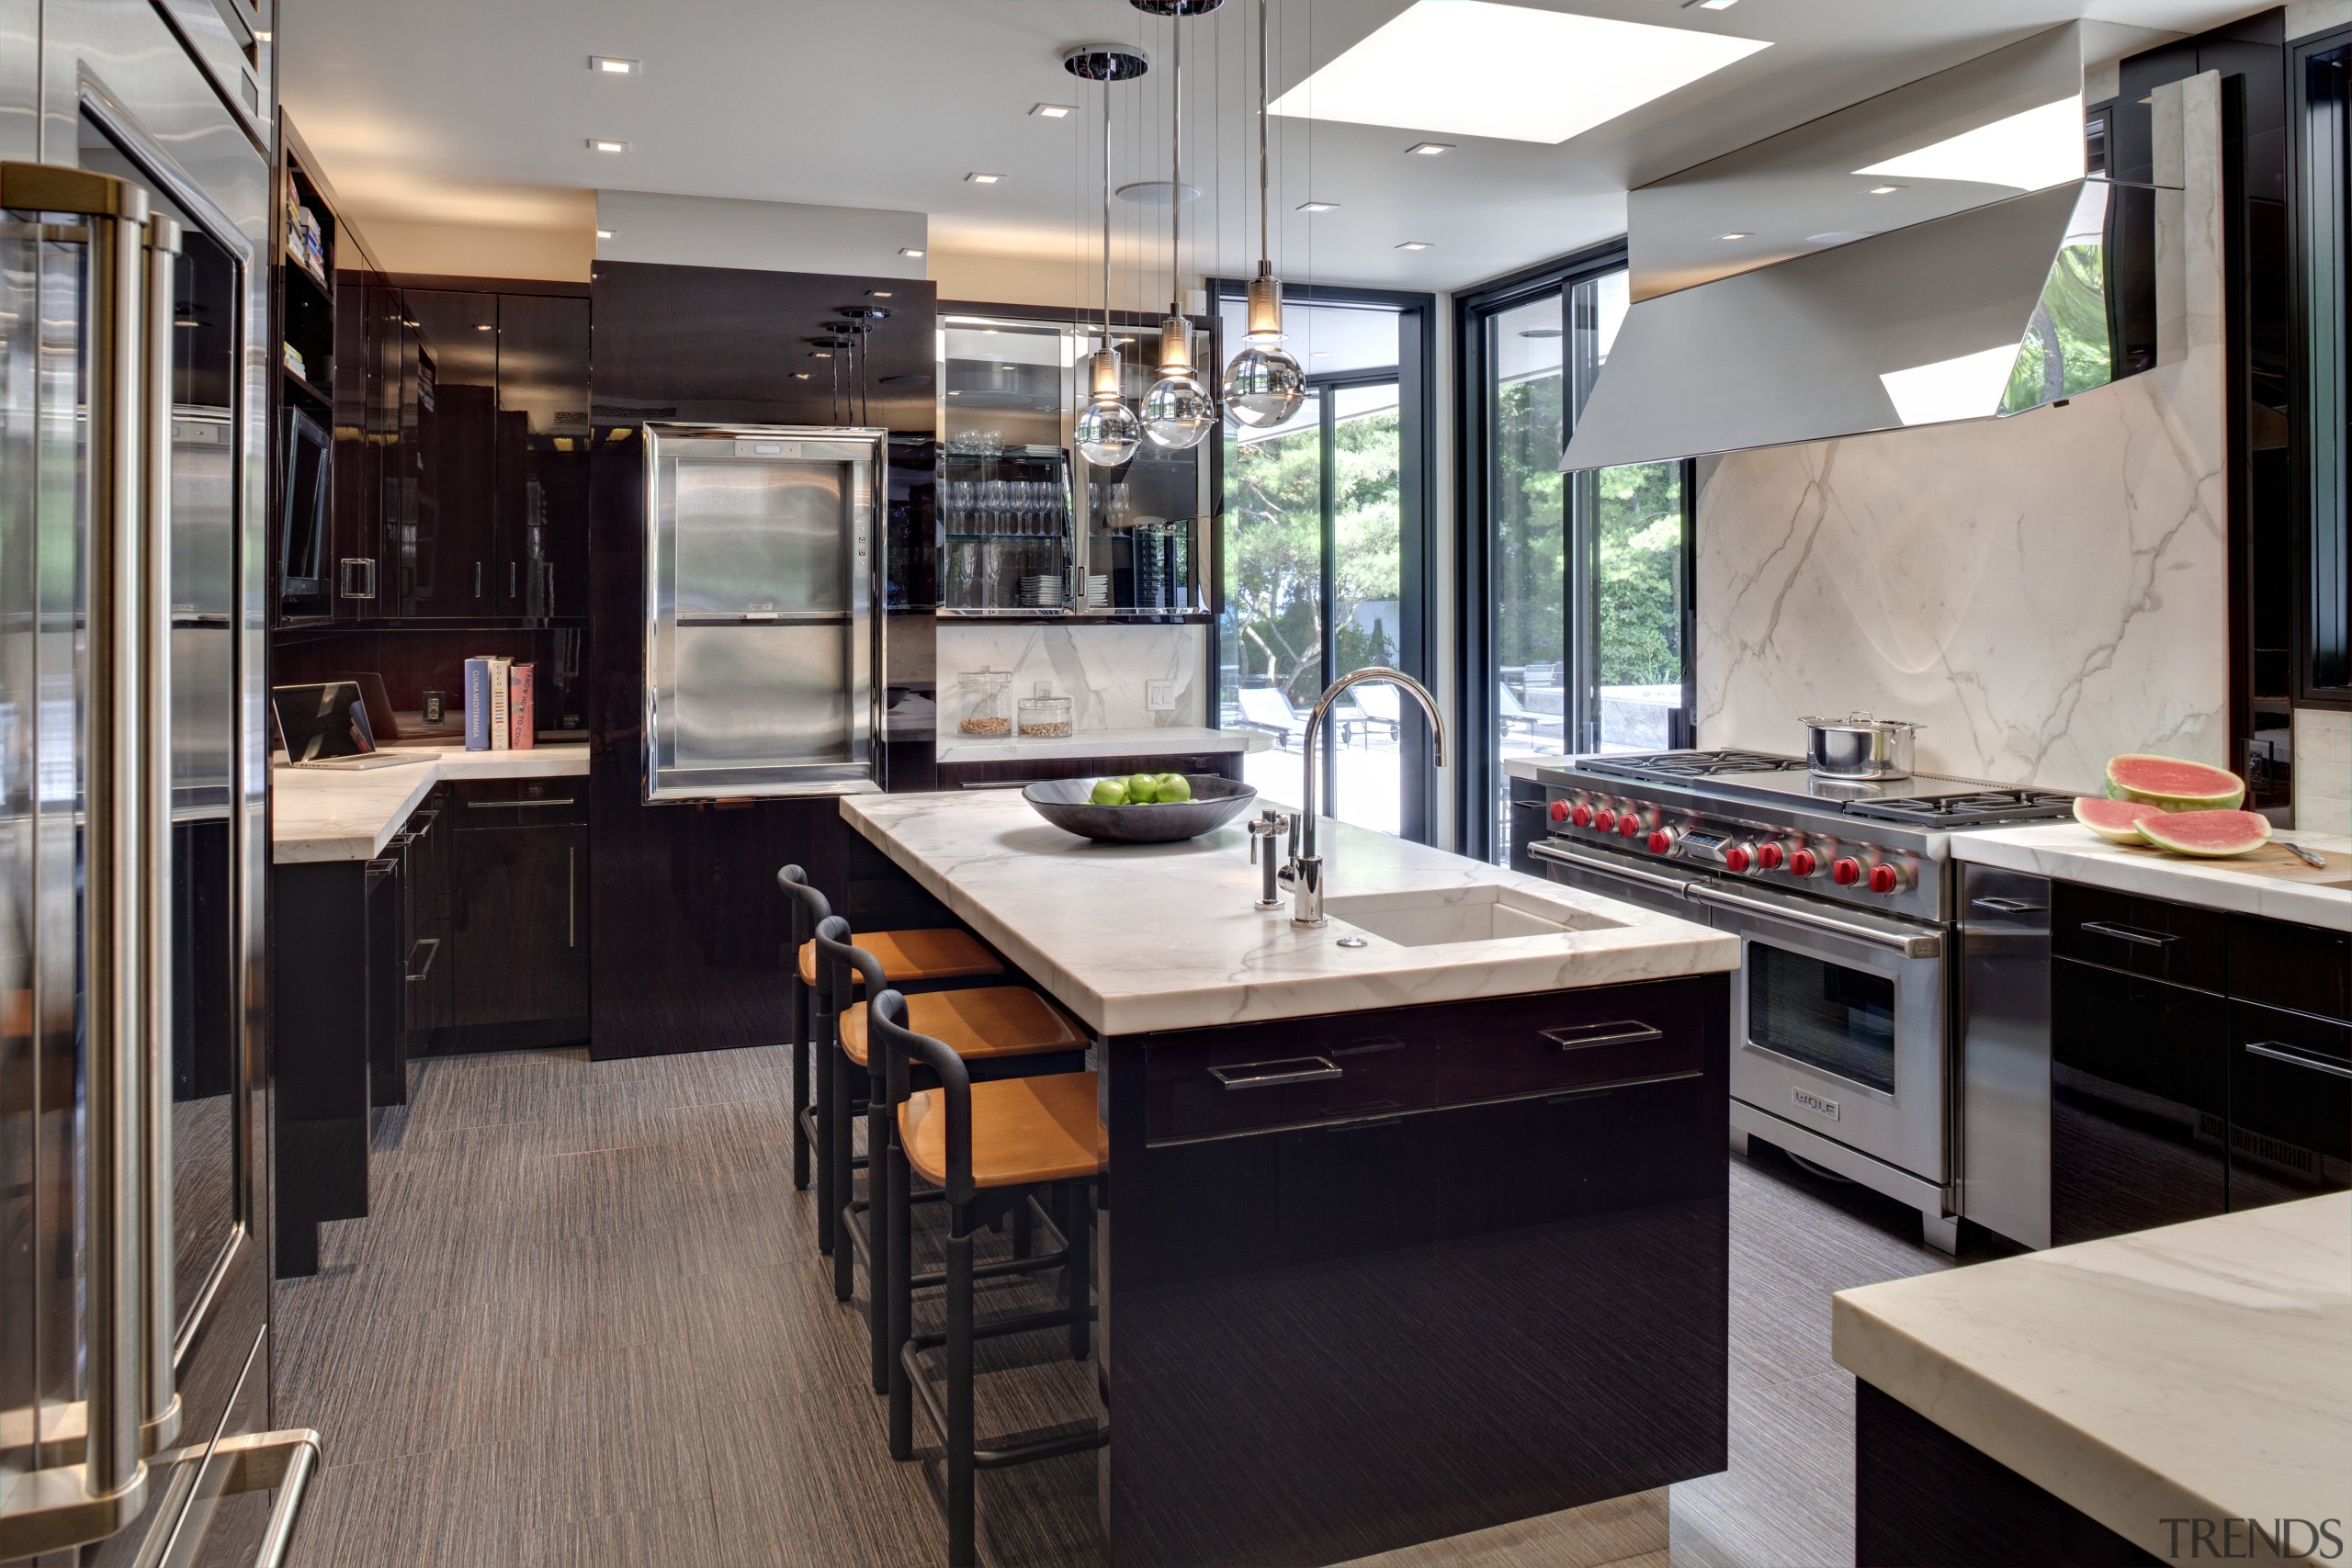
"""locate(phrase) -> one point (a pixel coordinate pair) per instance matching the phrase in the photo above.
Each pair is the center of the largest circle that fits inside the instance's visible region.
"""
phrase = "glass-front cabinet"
(1026, 525)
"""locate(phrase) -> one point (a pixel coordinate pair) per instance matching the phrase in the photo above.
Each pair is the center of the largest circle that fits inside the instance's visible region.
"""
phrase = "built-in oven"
(1840, 1025)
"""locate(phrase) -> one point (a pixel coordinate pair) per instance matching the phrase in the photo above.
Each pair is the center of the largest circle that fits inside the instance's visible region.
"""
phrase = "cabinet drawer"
(2139, 936)
(1287, 1074)
(507, 802)
(1570, 1039)
(2291, 1106)
(2285, 965)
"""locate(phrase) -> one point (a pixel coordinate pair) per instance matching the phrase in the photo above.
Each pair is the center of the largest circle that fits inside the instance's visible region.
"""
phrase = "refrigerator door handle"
(50, 1509)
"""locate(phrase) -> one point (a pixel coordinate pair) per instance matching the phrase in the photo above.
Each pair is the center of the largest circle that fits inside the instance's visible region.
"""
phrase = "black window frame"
(2306, 226)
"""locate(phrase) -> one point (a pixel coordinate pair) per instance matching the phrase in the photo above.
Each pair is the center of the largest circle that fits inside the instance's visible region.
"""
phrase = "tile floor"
(582, 1325)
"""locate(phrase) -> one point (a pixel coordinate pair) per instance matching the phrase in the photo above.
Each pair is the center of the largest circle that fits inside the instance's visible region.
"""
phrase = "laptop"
(325, 726)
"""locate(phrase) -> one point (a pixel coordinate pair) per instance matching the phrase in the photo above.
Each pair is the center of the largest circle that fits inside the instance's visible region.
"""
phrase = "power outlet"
(1160, 696)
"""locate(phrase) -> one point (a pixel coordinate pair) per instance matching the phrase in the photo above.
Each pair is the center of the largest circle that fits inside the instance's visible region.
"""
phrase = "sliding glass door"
(1580, 645)
(1318, 576)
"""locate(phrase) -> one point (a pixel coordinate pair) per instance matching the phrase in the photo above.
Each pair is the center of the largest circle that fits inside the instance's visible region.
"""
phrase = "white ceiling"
(461, 111)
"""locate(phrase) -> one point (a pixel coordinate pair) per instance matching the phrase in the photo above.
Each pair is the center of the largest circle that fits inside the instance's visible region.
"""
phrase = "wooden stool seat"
(1023, 1131)
(917, 955)
(993, 1020)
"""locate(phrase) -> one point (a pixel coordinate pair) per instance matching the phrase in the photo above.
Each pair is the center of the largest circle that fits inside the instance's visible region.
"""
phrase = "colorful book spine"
(478, 704)
(501, 735)
(522, 704)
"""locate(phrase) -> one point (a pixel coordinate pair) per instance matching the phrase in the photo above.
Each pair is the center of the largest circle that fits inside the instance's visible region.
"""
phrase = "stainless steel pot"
(1860, 747)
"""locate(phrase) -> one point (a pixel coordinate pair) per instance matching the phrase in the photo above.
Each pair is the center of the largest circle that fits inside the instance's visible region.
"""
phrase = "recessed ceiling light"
(482, 326)
(1736, 234)
(1415, 246)
(980, 180)
(1882, 190)
(877, 293)
(1052, 111)
(604, 233)
(598, 144)
(800, 375)
(612, 65)
(1430, 149)
(2032, 151)
(1710, 4)
(914, 251)
(1476, 68)
(1319, 207)
(820, 354)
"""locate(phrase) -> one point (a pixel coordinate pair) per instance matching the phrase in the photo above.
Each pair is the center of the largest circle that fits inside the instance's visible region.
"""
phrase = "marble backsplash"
(2038, 593)
(1106, 668)
(2323, 769)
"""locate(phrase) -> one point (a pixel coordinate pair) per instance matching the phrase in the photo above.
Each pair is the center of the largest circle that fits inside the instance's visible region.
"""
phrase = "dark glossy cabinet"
(449, 427)
(520, 927)
(2139, 1116)
(2201, 1061)
(540, 567)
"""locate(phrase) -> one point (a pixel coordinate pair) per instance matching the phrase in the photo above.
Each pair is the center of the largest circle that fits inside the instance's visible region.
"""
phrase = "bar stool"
(991, 1146)
(996, 1031)
(914, 960)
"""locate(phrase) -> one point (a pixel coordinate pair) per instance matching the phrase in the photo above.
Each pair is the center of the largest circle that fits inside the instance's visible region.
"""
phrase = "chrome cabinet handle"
(432, 945)
(1266, 1074)
(262, 1462)
(1584, 1036)
(1924, 944)
(2279, 1051)
(571, 898)
(2007, 906)
(503, 805)
(358, 571)
(1546, 850)
(2133, 934)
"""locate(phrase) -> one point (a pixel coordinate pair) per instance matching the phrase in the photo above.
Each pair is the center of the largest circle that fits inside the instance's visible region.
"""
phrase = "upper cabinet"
(542, 455)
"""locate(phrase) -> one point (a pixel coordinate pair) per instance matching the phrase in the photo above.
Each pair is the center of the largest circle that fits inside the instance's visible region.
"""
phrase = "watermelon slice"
(2210, 833)
(2117, 821)
(2172, 784)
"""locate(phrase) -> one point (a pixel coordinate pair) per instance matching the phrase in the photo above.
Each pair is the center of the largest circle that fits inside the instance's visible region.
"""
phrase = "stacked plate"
(1042, 592)
(1097, 592)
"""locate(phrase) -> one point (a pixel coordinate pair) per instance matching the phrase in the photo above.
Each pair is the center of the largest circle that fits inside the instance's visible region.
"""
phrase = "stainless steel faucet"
(1303, 874)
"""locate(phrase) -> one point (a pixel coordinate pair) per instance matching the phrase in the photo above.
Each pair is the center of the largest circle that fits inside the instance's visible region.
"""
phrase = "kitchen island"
(1400, 1239)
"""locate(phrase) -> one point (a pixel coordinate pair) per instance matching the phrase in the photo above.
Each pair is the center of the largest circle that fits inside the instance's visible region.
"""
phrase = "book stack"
(501, 707)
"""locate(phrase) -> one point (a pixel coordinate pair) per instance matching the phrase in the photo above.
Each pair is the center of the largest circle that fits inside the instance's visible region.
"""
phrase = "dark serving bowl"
(1066, 804)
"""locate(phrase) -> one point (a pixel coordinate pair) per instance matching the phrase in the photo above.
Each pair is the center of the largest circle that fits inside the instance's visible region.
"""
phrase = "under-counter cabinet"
(520, 929)
(2201, 1061)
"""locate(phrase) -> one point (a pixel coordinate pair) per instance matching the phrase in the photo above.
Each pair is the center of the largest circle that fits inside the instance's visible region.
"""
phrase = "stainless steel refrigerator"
(135, 250)
(762, 657)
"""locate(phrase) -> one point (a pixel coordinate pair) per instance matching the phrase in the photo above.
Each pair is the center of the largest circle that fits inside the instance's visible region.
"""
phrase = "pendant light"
(1177, 411)
(1264, 384)
(1108, 432)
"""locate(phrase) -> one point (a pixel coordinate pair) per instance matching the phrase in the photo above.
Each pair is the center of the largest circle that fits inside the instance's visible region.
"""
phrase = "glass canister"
(1045, 716)
(985, 706)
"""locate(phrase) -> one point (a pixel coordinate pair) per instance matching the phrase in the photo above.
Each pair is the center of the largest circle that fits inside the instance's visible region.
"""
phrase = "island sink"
(1490, 912)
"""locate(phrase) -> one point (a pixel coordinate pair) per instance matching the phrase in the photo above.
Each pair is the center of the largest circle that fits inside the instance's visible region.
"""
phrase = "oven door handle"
(1910, 944)
(1546, 850)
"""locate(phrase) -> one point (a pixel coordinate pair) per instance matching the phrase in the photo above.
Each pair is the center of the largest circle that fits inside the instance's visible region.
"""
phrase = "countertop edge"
(340, 843)
(2121, 870)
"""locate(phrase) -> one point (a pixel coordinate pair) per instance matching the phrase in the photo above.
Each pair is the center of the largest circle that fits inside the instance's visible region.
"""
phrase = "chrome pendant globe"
(1177, 411)
(1264, 385)
(1108, 434)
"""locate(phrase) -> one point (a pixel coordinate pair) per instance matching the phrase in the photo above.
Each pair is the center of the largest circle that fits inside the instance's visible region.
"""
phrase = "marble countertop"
(2269, 882)
(325, 814)
(1134, 937)
(1164, 742)
(2195, 1371)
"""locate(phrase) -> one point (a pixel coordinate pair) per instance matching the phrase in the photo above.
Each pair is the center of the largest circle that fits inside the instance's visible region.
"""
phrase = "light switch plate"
(1160, 696)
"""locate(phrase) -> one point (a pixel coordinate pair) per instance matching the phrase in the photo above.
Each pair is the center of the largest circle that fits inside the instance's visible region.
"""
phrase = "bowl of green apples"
(1141, 809)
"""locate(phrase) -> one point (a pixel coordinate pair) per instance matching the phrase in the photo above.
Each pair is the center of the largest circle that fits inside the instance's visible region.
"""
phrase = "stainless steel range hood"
(1751, 327)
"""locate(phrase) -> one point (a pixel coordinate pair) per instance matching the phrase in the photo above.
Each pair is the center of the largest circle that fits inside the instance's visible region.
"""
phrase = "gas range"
(1757, 819)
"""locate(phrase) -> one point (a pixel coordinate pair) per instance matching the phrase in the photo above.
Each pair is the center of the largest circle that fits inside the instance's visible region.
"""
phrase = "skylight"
(2031, 150)
(1474, 68)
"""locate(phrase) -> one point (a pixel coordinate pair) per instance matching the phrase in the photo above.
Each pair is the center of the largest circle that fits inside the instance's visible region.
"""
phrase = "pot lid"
(1860, 719)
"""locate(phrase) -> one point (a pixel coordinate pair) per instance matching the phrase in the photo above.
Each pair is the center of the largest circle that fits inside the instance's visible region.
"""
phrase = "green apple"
(1142, 789)
(1171, 789)
(1110, 792)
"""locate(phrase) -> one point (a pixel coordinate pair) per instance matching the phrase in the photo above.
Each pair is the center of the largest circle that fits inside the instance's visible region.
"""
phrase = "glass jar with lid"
(982, 700)
(1045, 716)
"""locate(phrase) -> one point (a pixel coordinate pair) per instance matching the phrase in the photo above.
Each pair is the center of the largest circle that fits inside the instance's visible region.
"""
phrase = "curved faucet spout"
(1308, 881)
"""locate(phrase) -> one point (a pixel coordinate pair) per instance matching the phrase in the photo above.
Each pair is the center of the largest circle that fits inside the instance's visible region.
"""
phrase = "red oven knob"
(1581, 817)
(1663, 840)
(1770, 857)
(1802, 864)
(1629, 824)
(1559, 811)
(1605, 819)
(1888, 879)
(1845, 871)
(1738, 858)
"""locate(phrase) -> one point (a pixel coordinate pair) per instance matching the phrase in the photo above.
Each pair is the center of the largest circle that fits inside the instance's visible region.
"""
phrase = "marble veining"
(2323, 769)
(322, 813)
(2041, 593)
(1134, 937)
(1106, 670)
(2195, 1371)
(2281, 889)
